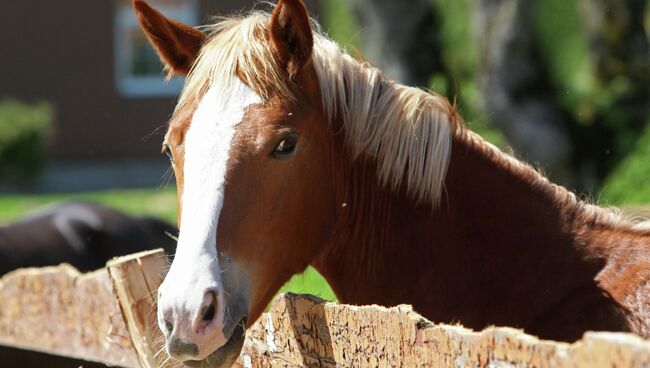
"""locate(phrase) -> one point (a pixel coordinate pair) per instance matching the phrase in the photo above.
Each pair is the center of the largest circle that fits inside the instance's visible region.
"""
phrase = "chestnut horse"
(288, 152)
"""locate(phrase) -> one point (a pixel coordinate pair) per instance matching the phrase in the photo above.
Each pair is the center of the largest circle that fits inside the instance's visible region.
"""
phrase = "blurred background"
(563, 84)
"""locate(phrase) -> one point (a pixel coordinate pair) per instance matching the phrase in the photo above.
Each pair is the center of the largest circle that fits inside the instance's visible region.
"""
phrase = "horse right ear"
(177, 44)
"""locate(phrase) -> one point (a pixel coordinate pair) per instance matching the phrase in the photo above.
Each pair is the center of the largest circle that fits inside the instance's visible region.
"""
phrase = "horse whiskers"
(166, 361)
(171, 236)
(169, 257)
(159, 351)
(152, 294)
(159, 341)
(167, 178)
(155, 131)
(243, 324)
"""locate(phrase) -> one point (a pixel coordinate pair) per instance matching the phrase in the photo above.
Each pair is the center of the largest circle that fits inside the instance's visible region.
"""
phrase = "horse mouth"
(226, 355)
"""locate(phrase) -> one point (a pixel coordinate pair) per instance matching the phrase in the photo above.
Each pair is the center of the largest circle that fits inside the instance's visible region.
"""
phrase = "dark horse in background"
(85, 235)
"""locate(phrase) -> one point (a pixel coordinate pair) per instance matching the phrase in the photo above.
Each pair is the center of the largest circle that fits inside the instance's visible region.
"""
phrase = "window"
(138, 70)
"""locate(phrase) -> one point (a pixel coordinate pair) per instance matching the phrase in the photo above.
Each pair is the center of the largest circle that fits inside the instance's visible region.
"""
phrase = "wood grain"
(59, 311)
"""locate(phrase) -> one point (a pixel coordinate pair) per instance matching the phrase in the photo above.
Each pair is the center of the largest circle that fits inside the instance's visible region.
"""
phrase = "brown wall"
(62, 51)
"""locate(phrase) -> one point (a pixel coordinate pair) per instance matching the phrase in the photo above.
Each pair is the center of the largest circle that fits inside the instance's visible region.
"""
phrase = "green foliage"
(564, 49)
(604, 91)
(23, 130)
(339, 23)
(460, 57)
(460, 49)
(628, 182)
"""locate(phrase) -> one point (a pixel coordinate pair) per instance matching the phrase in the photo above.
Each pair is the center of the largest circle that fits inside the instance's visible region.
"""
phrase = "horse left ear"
(291, 35)
(177, 44)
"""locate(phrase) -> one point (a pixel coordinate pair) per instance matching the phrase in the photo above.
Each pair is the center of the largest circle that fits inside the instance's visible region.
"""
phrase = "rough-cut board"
(305, 331)
(136, 279)
(57, 310)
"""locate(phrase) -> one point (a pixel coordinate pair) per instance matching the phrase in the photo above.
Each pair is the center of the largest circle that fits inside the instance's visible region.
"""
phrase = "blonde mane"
(408, 131)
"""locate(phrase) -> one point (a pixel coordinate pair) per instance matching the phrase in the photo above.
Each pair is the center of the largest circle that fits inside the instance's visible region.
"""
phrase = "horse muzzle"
(226, 355)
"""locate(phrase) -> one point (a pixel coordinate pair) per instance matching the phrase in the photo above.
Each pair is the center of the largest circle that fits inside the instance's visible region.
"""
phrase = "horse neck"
(501, 236)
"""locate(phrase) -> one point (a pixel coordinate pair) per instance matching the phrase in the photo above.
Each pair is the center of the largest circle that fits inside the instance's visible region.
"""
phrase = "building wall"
(63, 52)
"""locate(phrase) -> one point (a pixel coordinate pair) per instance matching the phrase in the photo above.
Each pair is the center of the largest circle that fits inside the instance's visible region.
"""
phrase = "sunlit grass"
(310, 282)
(156, 202)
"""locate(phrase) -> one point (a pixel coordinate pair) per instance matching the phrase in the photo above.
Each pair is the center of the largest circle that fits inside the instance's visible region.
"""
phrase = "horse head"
(255, 198)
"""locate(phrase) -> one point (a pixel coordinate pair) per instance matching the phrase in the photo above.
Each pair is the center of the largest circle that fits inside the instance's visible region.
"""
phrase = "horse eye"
(286, 147)
(168, 152)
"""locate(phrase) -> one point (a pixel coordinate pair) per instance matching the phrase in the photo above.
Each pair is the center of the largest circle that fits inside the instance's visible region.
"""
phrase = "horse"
(288, 152)
(83, 234)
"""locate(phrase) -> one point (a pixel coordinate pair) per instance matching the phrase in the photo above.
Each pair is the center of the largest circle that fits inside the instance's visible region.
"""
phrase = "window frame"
(126, 83)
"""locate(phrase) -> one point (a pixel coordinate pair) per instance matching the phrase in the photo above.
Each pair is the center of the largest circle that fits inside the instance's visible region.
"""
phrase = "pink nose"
(185, 329)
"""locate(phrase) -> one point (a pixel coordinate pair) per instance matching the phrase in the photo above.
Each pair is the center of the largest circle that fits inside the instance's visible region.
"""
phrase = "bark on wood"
(136, 279)
(305, 331)
(57, 310)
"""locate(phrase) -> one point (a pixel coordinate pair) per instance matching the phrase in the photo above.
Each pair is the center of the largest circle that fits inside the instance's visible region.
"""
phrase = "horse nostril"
(209, 306)
(208, 315)
(168, 327)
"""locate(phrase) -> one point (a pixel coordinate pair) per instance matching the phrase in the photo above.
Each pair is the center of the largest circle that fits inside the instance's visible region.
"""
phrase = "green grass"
(310, 282)
(156, 202)
(152, 202)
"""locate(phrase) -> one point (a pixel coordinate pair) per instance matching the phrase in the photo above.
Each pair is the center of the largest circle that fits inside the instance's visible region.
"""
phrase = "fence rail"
(108, 316)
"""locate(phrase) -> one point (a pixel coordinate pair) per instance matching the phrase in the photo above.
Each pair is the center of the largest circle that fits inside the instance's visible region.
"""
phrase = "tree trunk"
(515, 93)
(401, 37)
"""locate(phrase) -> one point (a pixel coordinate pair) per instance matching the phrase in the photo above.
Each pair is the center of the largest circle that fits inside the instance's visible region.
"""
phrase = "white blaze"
(195, 267)
(207, 147)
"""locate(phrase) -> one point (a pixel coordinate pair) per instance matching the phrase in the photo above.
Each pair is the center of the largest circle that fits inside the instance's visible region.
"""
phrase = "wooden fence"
(109, 316)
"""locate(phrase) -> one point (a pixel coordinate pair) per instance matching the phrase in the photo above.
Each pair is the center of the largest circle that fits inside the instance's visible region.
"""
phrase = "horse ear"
(291, 35)
(177, 44)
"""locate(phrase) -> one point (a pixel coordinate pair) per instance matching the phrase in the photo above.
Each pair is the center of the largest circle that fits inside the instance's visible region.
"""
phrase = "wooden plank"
(306, 331)
(58, 310)
(136, 279)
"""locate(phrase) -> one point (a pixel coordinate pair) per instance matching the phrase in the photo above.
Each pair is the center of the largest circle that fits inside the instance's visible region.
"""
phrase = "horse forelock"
(408, 131)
